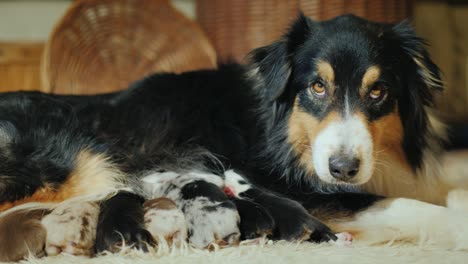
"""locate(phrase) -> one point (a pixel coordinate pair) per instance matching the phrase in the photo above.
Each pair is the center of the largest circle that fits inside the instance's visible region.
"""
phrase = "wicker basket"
(103, 45)
(237, 26)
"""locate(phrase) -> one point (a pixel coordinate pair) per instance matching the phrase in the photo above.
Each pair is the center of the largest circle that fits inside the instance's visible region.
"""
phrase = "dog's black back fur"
(40, 139)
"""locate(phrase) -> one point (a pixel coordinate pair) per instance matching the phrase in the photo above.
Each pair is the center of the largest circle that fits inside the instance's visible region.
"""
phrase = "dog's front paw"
(255, 220)
(165, 221)
(71, 228)
(290, 219)
(294, 223)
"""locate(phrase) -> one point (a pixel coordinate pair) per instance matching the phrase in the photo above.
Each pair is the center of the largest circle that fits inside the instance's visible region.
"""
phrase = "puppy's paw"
(71, 228)
(211, 222)
(255, 220)
(164, 220)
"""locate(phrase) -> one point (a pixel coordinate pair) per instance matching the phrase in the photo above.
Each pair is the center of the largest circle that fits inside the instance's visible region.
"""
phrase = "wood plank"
(20, 66)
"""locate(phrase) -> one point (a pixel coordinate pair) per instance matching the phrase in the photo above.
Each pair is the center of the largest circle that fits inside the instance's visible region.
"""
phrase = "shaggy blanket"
(278, 252)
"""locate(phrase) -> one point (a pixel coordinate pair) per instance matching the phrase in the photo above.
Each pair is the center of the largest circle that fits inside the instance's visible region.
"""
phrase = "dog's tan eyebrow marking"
(371, 75)
(326, 72)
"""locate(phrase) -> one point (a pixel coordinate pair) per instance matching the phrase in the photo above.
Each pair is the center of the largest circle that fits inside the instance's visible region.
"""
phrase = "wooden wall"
(235, 27)
(20, 66)
(445, 26)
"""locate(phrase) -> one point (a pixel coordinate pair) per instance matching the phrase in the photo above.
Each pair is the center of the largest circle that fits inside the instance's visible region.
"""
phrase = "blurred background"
(93, 46)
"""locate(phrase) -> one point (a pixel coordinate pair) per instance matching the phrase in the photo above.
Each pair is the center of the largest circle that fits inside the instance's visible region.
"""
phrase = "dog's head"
(354, 89)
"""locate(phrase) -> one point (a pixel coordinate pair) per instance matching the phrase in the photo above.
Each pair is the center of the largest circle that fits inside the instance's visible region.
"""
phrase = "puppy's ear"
(422, 78)
(273, 63)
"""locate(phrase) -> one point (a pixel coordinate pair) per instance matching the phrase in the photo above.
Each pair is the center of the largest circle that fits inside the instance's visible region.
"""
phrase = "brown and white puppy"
(165, 221)
(71, 228)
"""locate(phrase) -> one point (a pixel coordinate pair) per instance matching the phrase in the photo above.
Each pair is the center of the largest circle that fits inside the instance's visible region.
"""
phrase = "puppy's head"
(353, 90)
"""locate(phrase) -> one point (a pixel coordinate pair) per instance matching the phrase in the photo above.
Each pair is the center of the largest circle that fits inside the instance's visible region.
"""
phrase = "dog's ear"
(272, 63)
(421, 79)
(427, 76)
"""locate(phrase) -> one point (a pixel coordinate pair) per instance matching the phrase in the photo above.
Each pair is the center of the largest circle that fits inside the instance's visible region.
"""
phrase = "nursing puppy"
(311, 134)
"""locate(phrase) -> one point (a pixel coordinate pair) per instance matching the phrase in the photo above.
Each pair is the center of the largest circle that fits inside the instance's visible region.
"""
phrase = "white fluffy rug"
(278, 252)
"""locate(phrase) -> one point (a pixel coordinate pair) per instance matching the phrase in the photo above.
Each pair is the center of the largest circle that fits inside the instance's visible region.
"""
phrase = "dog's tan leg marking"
(409, 220)
(71, 228)
(165, 221)
(92, 174)
(21, 233)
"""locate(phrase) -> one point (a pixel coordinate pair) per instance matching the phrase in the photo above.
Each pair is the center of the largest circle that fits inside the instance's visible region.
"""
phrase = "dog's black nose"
(343, 167)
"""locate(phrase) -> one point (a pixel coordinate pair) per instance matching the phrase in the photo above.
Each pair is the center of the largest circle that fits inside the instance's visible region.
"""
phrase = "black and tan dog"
(311, 134)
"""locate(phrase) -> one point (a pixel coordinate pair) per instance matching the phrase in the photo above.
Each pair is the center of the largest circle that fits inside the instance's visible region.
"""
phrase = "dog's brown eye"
(376, 92)
(318, 88)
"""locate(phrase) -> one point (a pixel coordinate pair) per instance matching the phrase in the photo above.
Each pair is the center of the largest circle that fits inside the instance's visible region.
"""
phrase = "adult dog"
(314, 131)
